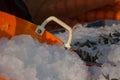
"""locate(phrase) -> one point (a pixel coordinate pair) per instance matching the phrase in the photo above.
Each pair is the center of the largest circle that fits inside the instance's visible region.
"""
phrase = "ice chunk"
(24, 58)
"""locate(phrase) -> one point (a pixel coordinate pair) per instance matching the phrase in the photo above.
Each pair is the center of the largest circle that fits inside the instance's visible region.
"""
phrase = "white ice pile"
(110, 53)
(24, 58)
(111, 69)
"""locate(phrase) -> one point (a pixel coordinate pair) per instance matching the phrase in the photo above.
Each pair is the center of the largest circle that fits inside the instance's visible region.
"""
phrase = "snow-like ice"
(24, 58)
(109, 53)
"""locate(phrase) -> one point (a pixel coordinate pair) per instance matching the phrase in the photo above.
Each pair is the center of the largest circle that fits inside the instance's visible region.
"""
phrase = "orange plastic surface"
(2, 78)
(74, 11)
(110, 12)
(11, 25)
(67, 9)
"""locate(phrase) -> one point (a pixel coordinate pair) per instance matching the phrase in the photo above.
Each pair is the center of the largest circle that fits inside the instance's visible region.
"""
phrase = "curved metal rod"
(68, 28)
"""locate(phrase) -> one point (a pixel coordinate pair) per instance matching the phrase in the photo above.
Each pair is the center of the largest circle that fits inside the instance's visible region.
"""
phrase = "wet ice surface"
(24, 58)
(109, 53)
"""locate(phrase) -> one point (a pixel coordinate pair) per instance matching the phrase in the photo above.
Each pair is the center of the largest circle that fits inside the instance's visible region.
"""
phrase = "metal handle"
(68, 28)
